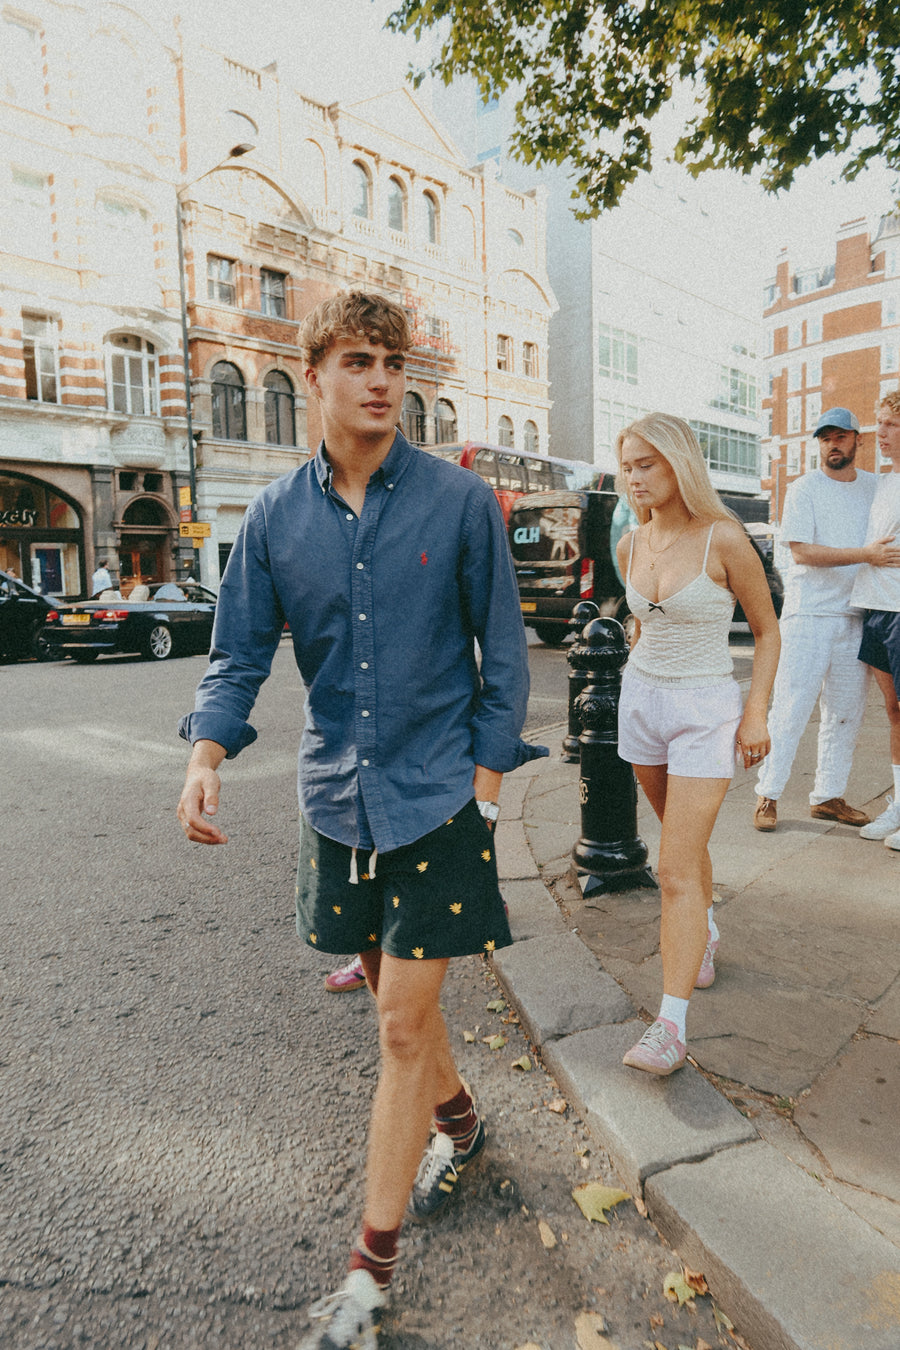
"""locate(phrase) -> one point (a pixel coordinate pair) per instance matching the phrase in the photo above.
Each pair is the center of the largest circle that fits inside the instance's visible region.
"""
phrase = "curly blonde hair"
(891, 400)
(353, 314)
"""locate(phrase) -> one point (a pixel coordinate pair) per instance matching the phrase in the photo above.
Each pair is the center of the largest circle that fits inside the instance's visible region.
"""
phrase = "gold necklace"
(656, 552)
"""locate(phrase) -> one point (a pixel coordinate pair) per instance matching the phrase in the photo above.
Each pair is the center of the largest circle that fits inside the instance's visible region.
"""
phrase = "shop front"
(41, 536)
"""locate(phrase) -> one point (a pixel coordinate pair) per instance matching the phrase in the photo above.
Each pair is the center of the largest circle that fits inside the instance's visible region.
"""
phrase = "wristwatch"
(489, 810)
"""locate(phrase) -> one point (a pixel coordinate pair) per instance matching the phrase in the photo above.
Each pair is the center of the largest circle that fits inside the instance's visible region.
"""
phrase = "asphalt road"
(183, 1107)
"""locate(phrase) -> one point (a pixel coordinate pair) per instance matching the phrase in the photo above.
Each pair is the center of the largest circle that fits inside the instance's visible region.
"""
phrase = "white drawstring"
(354, 869)
(372, 861)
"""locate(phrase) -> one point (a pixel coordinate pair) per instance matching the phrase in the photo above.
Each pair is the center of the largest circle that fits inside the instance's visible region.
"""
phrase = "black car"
(168, 620)
(23, 613)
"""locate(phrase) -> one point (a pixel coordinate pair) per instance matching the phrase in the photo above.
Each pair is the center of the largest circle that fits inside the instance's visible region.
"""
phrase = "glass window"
(412, 418)
(21, 63)
(814, 329)
(445, 422)
(430, 207)
(124, 243)
(813, 410)
(396, 205)
(132, 375)
(737, 391)
(27, 227)
(793, 414)
(40, 351)
(532, 439)
(228, 400)
(504, 352)
(529, 360)
(360, 191)
(221, 280)
(617, 353)
(794, 371)
(813, 373)
(505, 433)
(795, 335)
(889, 309)
(889, 356)
(273, 290)
(516, 238)
(279, 397)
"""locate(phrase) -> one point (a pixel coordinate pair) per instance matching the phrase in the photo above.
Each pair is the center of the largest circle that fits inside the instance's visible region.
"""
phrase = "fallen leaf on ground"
(722, 1322)
(594, 1199)
(696, 1280)
(703, 1345)
(641, 1207)
(589, 1329)
(468, 1037)
(656, 1322)
(559, 1105)
(495, 1042)
(497, 1006)
(524, 1064)
(547, 1236)
(677, 1289)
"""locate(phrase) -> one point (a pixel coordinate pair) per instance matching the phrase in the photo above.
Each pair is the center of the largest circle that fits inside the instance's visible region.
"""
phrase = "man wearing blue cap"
(824, 524)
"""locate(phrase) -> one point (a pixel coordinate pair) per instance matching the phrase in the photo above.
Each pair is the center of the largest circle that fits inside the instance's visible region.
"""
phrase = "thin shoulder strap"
(630, 554)
(708, 542)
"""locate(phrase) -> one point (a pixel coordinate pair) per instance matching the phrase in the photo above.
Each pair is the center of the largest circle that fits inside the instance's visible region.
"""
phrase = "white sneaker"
(351, 1316)
(885, 824)
(893, 841)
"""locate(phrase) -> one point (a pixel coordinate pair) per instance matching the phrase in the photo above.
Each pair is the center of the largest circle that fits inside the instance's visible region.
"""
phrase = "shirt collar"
(390, 469)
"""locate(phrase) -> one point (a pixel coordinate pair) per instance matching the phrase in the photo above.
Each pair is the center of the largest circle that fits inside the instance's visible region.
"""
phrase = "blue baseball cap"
(838, 419)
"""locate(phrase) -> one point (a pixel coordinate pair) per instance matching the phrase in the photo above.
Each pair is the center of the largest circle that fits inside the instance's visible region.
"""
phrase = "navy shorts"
(880, 646)
(434, 898)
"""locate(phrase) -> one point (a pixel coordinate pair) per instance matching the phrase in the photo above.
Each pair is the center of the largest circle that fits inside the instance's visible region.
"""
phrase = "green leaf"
(524, 1064)
(594, 1199)
(498, 1005)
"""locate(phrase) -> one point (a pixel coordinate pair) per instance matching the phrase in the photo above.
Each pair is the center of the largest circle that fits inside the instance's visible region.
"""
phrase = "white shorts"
(691, 730)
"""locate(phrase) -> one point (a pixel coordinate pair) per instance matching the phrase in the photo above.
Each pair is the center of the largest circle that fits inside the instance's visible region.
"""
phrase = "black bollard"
(610, 849)
(583, 612)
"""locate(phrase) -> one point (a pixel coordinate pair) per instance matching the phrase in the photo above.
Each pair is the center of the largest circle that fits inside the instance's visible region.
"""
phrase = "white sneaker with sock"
(885, 824)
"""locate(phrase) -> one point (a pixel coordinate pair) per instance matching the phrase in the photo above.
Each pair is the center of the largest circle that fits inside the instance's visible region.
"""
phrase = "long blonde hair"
(679, 447)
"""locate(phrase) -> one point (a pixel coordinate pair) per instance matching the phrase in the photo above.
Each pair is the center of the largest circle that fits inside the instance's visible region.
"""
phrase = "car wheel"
(40, 647)
(84, 658)
(158, 643)
(551, 634)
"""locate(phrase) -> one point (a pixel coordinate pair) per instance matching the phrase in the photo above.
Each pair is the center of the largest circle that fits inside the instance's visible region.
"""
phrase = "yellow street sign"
(196, 529)
(184, 496)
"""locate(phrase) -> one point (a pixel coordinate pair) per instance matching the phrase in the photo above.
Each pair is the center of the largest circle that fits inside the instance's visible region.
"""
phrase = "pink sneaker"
(707, 972)
(659, 1050)
(351, 976)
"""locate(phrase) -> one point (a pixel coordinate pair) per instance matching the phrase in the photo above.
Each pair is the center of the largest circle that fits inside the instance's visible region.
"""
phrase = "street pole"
(186, 367)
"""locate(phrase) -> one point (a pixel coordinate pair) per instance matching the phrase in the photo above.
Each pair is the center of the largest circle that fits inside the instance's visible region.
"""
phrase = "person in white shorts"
(681, 724)
(824, 522)
(877, 591)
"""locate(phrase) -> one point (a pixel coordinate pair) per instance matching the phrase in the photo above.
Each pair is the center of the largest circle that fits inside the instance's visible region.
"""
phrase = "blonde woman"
(681, 723)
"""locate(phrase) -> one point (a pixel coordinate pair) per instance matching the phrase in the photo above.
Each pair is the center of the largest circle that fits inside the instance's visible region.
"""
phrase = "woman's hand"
(752, 740)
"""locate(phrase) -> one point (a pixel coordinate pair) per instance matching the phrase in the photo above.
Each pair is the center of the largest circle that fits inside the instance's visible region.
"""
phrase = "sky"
(338, 50)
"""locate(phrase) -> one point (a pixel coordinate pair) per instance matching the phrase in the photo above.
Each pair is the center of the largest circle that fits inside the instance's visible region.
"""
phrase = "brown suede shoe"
(765, 817)
(837, 809)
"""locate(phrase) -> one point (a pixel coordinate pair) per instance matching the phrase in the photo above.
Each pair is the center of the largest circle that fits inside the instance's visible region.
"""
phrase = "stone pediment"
(254, 195)
(401, 115)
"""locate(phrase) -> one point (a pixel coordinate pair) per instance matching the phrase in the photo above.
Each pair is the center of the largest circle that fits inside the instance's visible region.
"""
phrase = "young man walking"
(389, 565)
(824, 522)
(877, 591)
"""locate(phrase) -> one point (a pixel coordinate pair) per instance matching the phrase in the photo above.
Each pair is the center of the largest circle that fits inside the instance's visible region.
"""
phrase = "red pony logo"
(424, 559)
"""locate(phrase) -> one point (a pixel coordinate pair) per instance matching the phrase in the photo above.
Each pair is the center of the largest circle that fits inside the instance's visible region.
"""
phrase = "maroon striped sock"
(376, 1252)
(458, 1118)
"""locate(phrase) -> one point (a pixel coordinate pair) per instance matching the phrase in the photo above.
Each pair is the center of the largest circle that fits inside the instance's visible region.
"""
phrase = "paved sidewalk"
(773, 1165)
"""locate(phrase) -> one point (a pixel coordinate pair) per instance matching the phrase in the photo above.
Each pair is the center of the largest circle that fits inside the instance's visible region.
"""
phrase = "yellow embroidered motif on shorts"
(456, 908)
(486, 855)
(418, 953)
(313, 938)
(422, 867)
(395, 900)
(312, 863)
(489, 945)
(336, 908)
(373, 937)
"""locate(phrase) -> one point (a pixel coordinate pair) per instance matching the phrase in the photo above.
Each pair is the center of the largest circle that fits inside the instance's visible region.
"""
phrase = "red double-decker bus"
(512, 473)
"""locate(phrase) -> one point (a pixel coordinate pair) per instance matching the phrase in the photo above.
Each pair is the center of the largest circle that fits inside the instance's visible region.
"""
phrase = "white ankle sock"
(711, 924)
(895, 770)
(675, 1010)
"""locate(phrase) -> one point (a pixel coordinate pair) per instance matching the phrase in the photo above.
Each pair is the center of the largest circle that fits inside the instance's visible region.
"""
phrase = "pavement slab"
(646, 1124)
(885, 1017)
(559, 987)
(794, 1267)
(851, 1116)
(532, 910)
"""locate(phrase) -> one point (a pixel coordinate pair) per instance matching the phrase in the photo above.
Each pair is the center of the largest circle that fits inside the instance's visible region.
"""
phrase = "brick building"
(833, 338)
(111, 125)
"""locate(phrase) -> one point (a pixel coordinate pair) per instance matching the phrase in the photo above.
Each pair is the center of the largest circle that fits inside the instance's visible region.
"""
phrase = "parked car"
(168, 620)
(564, 550)
(23, 613)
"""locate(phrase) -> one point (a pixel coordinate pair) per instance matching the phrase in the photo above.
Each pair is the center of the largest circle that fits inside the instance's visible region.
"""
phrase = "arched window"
(445, 422)
(532, 439)
(360, 190)
(228, 412)
(131, 375)
(412, 418)
(396, 205)
(430, 209)
(279, 409)
(505, 433)
(516, 238)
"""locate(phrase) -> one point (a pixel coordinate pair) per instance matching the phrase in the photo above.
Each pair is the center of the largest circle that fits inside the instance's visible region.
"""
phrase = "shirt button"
(365, 763)
(390, 487)
(362, 618)
(359, 567)
(349, 515)
(364, 665)
(365, 712)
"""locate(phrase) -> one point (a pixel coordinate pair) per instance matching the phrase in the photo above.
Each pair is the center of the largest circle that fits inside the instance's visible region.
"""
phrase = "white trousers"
(818, 661)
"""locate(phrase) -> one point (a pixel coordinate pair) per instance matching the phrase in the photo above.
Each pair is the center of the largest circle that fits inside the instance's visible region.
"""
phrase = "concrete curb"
(792, 1266)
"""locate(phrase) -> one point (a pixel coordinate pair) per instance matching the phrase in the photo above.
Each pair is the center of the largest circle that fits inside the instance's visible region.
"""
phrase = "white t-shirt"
(829, 511)
(879, 587)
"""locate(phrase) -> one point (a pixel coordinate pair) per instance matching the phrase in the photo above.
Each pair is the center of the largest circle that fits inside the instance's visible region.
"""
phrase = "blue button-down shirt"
(384, 611)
